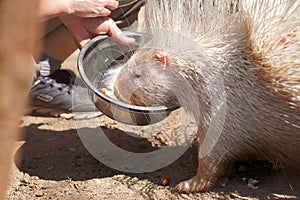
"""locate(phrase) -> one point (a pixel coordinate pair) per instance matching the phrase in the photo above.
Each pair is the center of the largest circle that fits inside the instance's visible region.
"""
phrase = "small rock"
(35, 178)
(22, 189)
(223, 184)
(45, 154)
(165, 181)
(25, 180)
(67, 116)
(252, 183)
(50, 168)
(70, 192)
(16, 194)
(26, 175)
(49, 186)
(72, 149)
(249, 185)
(32, 185)
(40, 194)
(244, 179)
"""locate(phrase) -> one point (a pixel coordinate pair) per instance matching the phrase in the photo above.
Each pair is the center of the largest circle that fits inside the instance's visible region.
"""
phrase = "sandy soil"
(52, 163)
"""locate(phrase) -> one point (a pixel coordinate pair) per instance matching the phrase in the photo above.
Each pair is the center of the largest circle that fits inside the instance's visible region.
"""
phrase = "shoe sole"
(38, 111)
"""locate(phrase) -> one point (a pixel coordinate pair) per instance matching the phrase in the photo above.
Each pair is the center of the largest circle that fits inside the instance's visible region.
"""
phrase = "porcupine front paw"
(195, 184)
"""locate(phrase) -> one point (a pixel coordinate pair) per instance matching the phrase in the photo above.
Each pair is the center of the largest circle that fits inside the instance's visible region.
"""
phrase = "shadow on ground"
(60, 155)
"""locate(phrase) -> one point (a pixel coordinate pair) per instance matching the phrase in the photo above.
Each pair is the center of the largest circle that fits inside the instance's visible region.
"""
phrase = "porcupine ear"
(161, 57)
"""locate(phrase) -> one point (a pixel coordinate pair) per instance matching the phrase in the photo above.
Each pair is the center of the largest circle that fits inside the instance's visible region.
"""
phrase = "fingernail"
(125, 39)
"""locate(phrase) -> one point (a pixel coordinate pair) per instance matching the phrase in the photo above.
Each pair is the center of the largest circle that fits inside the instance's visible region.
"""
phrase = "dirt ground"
(52, 163)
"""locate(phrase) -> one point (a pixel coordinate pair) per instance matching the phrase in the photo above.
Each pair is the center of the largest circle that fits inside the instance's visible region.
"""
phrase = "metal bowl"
(96, 58)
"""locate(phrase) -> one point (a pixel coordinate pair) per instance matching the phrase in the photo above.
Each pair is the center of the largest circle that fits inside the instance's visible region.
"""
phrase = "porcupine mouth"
(120, 97)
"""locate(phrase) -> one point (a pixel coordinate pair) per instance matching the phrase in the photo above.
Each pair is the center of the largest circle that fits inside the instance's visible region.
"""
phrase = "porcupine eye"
(137, 76)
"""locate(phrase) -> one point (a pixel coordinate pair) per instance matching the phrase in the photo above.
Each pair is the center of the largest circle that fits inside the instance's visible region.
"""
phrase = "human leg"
(53, 92)
(58, 45)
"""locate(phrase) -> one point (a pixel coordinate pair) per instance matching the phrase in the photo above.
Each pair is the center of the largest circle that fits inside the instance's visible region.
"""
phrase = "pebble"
(25, 180)
(40, 194)
(26, 175)
(252, 183)
(251, 186)
(72, 149)
(165, 181)
(67, 115)
(22, 197)
(35, 178)
(32, 185)
(16, 193)
(22, 189)
(86, 115)
(224, 184)
(70, 192)
(49, 186)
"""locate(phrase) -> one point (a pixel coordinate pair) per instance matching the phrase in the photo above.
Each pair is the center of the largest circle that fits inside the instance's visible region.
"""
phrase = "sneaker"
(56, 95)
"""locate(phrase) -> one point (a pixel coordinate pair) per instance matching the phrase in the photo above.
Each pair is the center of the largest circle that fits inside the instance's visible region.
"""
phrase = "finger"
(105, 12)
(82, 38)
(123, 39)
(112, 4)
(83, 42)
(116, 33)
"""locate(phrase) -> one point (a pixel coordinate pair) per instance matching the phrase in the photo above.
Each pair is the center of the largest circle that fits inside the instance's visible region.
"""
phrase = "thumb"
(83, 42)
(117, 34)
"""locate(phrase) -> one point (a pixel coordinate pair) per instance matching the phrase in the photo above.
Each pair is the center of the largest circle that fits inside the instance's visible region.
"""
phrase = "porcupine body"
(241, 59)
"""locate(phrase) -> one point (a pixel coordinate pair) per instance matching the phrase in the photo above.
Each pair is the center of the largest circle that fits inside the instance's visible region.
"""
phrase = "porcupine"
(253, 47)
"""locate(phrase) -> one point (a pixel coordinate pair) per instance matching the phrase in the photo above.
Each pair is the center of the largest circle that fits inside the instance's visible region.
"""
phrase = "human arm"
(83, 29)
(81, 8)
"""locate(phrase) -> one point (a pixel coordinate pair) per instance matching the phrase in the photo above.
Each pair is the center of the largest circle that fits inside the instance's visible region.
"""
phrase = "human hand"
(91, 8)
(84, 29)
